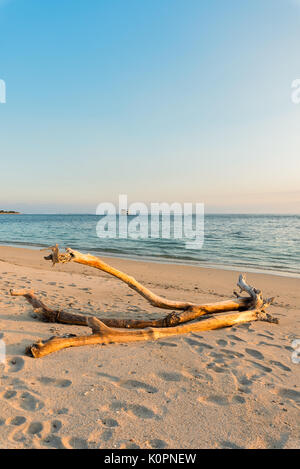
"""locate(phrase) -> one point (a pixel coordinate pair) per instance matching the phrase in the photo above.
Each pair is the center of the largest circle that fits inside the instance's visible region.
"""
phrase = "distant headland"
(9, 212)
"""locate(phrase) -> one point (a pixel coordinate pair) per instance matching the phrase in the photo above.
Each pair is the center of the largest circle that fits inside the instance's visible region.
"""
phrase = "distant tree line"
(9, 212)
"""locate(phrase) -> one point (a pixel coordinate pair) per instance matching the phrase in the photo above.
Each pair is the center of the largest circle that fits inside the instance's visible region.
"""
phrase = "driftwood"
(106, 330)
(48, 314)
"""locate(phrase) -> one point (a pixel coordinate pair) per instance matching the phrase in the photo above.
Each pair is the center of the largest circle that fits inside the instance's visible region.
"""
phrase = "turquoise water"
(248, 242)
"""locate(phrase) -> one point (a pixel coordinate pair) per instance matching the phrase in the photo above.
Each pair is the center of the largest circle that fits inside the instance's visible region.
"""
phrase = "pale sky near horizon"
(163, 100)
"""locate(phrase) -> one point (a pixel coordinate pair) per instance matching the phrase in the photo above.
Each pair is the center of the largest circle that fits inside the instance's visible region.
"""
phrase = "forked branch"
(104, 331)
(189, 310)
(103, 334)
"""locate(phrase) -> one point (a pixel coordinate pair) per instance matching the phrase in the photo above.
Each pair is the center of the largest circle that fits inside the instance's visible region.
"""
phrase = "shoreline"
(156, 260)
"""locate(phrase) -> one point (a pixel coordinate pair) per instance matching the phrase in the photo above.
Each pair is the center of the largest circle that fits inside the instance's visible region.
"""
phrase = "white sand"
(232, 388)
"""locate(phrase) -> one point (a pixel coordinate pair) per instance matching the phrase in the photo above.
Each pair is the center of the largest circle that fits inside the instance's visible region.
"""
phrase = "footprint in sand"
(112, 378)
(28, 402)
(107, 435)
(59, 383)
(175, 377)
(268, 333)
(218, 399)
(9, 394)
(222, 342)
(228, 444)
(238, 400)
(63, 383)
(130, 383)
(18, 420)
(290, 394)
(141, 411)
(216, 368)
(243, 379)
(110, 422)
(158, 444)
(218, 357)
(78, 443)
(245, 390)
(235, 338)
(25, 401)
(62, 411)
(266, 336)
(203, 345)
(56, 426)
(35, 428)
(53, 441)
(18, 384)
(136, 409)
(263, 368)
(280, 365)
(280, 443)
(254, 353)
(133, 384)
(15, 364)
(192, 342)
(202, 376)
(246, 327)
(18, 437)
(232, 353)
(167, 344)
(269, 345)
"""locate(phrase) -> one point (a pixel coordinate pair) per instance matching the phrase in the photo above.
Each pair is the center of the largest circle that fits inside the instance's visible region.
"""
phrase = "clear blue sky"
(164, 100)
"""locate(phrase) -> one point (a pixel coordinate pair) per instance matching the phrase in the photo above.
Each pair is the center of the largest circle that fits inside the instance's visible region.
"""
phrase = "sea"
(249, 243)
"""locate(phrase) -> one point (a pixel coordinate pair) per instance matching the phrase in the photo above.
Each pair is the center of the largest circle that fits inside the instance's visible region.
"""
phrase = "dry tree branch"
(45, 313)
(189, 310)
(103, 334)
(48, 314)
(251, 308)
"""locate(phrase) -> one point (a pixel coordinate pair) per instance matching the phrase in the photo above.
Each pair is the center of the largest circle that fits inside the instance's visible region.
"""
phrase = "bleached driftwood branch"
(251, 308)
(102, 334)
(189, 310)
(48, 314)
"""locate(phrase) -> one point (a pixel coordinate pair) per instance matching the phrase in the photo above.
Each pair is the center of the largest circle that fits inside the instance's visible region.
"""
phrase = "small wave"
(246, 241)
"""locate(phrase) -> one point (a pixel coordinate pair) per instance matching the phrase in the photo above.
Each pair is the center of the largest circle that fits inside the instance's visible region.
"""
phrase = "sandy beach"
(231, 388)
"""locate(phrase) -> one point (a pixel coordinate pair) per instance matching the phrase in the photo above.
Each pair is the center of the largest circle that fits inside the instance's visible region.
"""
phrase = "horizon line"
(206, 213)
